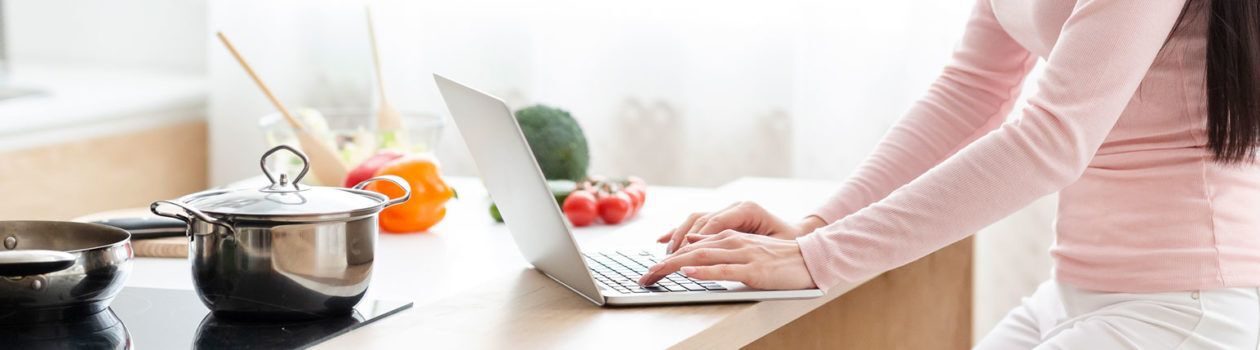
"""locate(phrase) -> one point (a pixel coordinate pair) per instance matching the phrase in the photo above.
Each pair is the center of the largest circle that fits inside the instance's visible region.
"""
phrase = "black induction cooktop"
(150, 318)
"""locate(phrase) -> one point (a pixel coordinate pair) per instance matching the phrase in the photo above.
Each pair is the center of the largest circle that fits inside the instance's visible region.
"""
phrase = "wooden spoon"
(388, 120)
(325, 163)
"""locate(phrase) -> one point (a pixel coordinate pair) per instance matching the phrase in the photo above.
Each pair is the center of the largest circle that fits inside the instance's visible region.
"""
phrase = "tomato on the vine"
(580, 208)
(598, 198)
(614, 208)
(636, 195)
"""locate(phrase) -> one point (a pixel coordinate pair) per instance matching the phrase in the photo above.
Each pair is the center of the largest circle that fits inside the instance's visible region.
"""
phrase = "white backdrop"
(679, 92)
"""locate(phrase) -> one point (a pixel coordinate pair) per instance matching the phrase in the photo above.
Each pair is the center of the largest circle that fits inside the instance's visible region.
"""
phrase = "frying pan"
(55, 270)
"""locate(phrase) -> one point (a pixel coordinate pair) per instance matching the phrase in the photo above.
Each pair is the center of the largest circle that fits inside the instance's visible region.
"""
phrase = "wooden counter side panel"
(923, 305)
(62, 181)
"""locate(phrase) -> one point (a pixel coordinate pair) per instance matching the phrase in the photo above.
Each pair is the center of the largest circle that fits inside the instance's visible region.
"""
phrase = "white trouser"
(1059, 316)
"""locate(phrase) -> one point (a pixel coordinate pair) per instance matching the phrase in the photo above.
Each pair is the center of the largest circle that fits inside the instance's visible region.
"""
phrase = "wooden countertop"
(472, 289)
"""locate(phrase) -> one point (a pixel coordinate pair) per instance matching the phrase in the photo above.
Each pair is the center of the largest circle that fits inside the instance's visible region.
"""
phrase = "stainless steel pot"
(57, 271)
(285, 251)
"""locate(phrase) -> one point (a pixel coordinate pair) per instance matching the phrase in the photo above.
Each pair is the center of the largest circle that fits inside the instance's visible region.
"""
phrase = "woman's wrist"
(809, 224)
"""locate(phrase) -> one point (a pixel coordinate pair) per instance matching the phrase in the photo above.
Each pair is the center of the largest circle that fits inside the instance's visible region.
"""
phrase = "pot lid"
(307, 201)
(289, 198)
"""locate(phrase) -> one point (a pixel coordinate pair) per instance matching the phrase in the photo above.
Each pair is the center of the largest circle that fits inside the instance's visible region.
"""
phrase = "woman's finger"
(695, 237)
(704, 220)
(698, 257)
(679, 241)
(674, 236)
(741, 216)
(720, 272)
(667, 236)
(728, 239)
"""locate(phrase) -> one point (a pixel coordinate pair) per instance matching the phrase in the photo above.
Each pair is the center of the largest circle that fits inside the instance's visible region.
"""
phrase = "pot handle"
(14, 263)
(187, 210)
(397, 181)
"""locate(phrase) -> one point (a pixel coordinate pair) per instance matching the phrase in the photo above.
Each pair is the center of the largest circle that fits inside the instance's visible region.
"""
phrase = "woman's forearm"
(973, 96)
(1102, 55)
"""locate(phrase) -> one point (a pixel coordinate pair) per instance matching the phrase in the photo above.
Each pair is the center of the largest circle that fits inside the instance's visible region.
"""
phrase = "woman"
(1146, 122)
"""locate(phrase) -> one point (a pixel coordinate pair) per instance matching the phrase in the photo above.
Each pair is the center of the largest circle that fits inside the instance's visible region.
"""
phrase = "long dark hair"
(1233, 78)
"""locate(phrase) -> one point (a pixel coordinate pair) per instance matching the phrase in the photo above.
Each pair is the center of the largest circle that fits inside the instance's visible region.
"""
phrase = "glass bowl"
(352, 133)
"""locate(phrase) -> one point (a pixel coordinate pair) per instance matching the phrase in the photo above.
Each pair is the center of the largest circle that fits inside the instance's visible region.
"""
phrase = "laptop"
(543, 235)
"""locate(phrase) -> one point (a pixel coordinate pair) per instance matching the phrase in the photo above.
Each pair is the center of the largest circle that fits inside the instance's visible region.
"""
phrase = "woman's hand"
(740, 216)
(758, 261)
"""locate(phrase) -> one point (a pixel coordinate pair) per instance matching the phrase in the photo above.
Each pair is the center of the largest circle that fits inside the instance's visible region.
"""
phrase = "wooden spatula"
(325, 163)
(388, 120)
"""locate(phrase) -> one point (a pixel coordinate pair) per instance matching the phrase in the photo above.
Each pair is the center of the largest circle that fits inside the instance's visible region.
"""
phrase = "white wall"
(152, 34)
(711, 90)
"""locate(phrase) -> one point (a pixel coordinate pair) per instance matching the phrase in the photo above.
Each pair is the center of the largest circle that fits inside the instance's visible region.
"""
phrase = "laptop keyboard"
(620, 271)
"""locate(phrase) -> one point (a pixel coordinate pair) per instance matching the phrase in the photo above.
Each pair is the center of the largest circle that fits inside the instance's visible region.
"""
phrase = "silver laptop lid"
(517, 185)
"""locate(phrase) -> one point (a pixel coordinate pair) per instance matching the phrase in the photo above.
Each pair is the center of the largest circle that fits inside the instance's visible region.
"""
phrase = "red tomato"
(615, 208)
(635, 202)
(637, 183)
(580, 208)
(637, 195)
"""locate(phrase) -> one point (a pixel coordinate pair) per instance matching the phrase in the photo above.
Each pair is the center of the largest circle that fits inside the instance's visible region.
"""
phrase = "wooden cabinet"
(127, 169)
(923, 305)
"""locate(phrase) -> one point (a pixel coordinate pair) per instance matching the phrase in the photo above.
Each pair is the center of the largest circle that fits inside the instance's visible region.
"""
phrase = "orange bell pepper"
(429, 194)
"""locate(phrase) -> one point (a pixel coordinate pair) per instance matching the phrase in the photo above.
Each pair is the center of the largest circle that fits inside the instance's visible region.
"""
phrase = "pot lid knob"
(279, 184)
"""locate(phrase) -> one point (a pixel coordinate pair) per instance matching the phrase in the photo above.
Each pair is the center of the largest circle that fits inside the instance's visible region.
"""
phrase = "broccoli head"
(557, 141)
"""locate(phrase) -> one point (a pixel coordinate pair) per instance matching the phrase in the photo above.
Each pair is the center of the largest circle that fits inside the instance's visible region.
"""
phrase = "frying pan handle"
(14, 263)
(187, 211)
(397, 181)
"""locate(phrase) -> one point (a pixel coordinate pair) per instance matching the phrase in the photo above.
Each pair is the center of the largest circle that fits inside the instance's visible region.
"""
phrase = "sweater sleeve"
(972, 96)
(1102, 54)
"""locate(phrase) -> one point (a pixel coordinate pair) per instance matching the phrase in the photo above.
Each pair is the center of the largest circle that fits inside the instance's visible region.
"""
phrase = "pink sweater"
(1117, 128)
